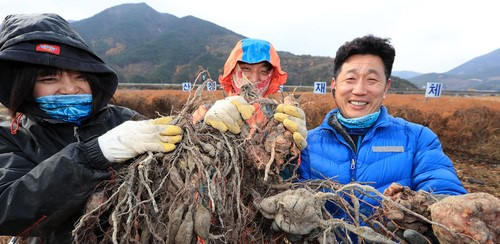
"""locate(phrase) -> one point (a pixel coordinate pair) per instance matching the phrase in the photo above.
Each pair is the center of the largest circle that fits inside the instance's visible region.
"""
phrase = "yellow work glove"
(133, 138)
(294, 120)
(229, 113)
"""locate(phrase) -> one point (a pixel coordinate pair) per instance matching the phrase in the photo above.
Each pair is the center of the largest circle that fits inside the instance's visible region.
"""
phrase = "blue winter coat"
(393, 150)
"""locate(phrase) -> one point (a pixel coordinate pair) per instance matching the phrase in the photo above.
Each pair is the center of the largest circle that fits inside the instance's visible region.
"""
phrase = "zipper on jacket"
(353, 160)
(75, 133)
(353, 171)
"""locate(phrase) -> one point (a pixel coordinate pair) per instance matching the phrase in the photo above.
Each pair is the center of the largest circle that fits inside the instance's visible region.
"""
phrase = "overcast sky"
(429, 35)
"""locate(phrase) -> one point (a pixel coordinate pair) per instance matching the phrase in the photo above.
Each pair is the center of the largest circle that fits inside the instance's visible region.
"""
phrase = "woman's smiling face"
(61, 82)
(360, 86)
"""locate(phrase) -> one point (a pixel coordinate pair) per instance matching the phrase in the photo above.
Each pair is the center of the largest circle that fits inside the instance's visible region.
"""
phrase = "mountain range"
(145, 46)
(480, 73)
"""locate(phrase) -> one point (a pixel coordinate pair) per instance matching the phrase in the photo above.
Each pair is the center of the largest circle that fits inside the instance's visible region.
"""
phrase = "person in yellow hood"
(255, 64)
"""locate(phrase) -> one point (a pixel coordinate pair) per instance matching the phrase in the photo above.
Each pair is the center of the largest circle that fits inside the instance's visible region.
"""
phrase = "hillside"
(145, 46)
(405, 74)
(399, 84)
(481, 73)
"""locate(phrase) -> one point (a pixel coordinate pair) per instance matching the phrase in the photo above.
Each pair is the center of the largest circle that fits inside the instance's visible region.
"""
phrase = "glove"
(413, 236)
(294, 120)
(416, 201)
(133, 138)
(406, 226)
(228, 114)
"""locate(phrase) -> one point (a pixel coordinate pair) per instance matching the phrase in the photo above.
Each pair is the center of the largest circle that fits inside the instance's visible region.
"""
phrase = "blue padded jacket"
(393, 150)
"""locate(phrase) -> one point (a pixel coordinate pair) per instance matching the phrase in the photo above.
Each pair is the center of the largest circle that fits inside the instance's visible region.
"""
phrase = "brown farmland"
(468, 127)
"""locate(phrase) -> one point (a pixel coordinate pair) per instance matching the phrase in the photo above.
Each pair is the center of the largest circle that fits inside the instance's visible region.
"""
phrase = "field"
(468, 127)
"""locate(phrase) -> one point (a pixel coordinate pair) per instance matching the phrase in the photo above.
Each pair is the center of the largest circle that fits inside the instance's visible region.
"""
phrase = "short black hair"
(24, 79)
(368, 44)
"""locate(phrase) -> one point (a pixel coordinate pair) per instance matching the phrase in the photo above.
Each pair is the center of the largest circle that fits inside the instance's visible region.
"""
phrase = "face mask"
(358, 123)
(239, 80)
(68, 108)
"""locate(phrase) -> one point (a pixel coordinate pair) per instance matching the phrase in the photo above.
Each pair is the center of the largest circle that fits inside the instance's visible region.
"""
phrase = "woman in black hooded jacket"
(64, 139)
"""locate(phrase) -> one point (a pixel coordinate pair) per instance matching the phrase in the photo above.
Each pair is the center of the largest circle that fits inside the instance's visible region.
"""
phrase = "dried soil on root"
(474, 217)
(468, 218)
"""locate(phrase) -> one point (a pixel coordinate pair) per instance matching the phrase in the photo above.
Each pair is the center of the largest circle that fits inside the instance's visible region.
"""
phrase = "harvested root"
(204, 189)
(175, 221)
(294, 211)
(301, 212)
(469, 218)
(202, 222)
(417, 202)
(185, 233)
(476, 216)
(225, 188)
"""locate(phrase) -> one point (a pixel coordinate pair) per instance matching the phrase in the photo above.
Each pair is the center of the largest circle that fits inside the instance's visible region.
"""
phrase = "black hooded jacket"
(47, 170)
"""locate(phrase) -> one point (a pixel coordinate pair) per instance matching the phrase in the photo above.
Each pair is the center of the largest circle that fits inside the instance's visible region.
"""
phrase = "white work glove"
(229, 113)
(294, 120)
(133, 138)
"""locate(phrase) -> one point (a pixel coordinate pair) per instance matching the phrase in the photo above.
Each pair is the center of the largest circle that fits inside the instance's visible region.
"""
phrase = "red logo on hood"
(48, 48)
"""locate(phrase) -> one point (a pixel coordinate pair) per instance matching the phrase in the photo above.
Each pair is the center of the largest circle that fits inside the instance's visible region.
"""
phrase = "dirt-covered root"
(294, 211)
(269, 145)
(203, 190)
(469, 218)
(301, 211)
(475, 216)
(416, 201)
(178, 197)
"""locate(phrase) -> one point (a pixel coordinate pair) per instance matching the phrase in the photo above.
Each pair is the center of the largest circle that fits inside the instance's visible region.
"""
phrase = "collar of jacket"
(382, 121)
(331, 123)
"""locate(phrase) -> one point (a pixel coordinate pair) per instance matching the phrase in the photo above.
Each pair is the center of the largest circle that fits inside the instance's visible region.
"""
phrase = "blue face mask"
(68, 108)
(358, 123)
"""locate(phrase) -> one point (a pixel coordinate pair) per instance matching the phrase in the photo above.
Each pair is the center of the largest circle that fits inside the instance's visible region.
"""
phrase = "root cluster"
(225, 188)
(204, 190)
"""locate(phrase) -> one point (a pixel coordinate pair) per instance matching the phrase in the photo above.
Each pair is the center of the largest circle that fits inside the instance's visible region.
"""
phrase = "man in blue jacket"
(360, 142)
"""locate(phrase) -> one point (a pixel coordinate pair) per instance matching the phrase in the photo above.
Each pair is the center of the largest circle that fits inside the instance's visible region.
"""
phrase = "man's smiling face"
(360, 86)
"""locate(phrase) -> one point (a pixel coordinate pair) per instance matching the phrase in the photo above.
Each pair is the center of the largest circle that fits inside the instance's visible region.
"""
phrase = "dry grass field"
(468, 127)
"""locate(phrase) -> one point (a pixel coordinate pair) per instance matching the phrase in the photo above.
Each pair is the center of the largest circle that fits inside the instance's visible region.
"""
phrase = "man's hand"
(407, 226)
(228, 114)
(294, 120)
(133, 138)
(413, 236)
